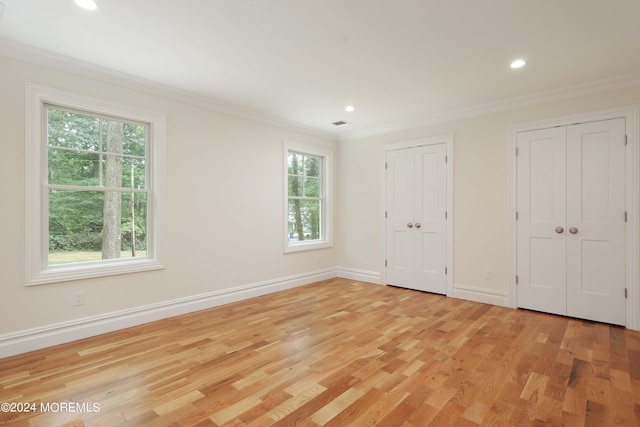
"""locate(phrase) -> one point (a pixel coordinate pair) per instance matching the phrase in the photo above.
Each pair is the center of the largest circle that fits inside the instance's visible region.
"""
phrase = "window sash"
(102, 154)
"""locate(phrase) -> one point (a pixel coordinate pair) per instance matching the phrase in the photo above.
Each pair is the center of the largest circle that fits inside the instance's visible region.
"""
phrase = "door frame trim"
(448, 141)
(631, 114)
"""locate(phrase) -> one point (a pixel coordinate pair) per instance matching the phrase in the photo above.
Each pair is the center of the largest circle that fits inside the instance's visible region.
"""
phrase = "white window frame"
(326, 215)
(37, 269)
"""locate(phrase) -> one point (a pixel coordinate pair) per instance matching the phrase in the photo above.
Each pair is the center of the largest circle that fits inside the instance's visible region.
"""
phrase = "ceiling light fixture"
(87, 4)
(518, 63)
(349, 108)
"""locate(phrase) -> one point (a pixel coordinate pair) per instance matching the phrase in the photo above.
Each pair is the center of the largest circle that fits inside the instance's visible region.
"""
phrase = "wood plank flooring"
(338, 353)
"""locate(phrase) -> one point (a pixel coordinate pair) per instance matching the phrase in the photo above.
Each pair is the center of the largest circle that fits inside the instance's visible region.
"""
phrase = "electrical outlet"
(488, 275)
(78, 298)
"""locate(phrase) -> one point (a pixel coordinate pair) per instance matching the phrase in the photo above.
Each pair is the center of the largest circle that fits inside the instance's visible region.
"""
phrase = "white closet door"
(400, 206)
(571, 220)
(595, 220)
(541, 224)
(416, 230)
(430, 223)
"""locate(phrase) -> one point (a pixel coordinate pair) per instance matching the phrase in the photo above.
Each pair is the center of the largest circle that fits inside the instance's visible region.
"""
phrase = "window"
(95, 188)
(307, 205)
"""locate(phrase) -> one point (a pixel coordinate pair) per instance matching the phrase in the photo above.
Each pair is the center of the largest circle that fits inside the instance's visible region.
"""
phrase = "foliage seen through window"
(305, 197)
(97, 188)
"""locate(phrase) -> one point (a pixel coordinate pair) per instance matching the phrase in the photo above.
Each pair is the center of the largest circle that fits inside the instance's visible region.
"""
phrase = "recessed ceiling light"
(87, 4)
(349, 108)
(518, 63)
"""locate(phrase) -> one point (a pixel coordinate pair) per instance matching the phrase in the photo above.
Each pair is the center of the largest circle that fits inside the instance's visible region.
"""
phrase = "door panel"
(541, 209)
(593, 258)
(431, 205)
(541, 262)
(596, 179)
(541, 182)
(400, 207)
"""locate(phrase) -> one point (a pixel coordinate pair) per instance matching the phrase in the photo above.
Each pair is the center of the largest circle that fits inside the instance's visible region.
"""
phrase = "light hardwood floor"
(338, 353)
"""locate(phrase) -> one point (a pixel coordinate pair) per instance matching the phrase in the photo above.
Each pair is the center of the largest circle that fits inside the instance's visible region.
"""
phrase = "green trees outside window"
(305, 196)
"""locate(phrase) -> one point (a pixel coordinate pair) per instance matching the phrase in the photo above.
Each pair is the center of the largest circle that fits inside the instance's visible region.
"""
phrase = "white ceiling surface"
(303, 61)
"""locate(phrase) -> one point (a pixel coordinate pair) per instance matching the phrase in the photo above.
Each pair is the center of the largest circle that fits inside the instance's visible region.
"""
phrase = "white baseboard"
(59, 333)
(359, 275)
(486, 296)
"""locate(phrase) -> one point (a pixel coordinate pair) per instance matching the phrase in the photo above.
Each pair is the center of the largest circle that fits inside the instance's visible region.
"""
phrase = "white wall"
(480, 191)
(225, 208)
(224, 231)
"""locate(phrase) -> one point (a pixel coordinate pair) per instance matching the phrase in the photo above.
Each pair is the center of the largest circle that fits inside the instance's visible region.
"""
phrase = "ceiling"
(304, 61)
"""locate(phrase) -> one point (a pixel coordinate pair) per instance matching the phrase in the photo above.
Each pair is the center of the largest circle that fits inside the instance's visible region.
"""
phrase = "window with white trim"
(307, 198)
(95, 187)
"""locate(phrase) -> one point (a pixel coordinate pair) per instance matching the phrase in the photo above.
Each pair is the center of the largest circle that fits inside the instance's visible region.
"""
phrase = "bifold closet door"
(416, 186)
(571, 220)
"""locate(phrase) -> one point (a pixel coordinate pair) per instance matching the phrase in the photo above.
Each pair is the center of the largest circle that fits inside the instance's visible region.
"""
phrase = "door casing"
(632, 118)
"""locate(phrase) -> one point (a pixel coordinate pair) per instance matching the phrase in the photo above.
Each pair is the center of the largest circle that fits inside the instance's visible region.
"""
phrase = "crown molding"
(77, 67)
(70, 65)
(567, 92)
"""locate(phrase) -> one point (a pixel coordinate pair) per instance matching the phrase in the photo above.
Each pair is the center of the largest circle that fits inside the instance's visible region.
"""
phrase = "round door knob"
(573, 230)
(410, 225)
(418, 225)
(559, 230)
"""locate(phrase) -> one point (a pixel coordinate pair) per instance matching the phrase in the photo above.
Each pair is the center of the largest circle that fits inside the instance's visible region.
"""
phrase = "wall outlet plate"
(78, 298)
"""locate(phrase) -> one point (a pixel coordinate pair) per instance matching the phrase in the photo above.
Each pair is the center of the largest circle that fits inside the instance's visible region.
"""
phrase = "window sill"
(64, 273)
(307, 246)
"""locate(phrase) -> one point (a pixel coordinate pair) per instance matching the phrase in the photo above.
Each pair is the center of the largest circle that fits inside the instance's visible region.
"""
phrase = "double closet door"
(571, 220)
(416, 223)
